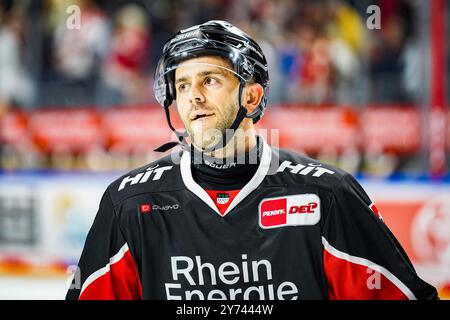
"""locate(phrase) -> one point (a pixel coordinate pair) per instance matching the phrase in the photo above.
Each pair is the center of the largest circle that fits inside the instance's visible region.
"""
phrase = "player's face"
(207, 98)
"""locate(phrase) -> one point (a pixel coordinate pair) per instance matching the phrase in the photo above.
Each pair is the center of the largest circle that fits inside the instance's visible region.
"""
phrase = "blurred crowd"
(319, 52)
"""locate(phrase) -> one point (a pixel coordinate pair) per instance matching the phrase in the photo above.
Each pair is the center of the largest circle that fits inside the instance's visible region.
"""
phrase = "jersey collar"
(255, 181)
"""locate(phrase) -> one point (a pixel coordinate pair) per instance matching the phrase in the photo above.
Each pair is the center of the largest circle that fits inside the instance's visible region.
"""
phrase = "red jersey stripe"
(118, 280)
(353, 278)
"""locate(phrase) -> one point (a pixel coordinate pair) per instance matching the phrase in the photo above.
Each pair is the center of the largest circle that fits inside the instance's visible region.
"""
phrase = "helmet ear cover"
(172, 93)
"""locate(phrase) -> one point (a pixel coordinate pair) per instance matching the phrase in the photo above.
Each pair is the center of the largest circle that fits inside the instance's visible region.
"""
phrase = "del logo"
(295, 210)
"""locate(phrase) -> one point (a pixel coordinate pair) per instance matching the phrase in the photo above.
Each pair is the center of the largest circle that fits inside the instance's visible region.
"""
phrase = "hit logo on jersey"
(294, 210)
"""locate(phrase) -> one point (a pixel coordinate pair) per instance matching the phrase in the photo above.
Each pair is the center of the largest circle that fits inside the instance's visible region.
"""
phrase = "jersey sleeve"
(362, 258)
(106, 269)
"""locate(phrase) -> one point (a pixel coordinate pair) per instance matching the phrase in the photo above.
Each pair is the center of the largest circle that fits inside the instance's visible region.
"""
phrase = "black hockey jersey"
(299, 229)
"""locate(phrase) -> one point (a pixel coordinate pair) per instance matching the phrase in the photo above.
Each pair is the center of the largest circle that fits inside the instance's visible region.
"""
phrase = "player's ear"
(253, 94)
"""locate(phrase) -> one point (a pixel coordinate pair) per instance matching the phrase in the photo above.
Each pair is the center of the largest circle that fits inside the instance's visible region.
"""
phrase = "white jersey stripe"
(255, 181)
(186, 175)
(364, 262)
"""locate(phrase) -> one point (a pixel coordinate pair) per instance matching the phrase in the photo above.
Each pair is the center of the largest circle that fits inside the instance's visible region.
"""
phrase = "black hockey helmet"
(215, 38)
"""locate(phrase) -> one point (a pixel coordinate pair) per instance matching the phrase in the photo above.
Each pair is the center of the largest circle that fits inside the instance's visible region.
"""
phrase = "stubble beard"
(209, 137)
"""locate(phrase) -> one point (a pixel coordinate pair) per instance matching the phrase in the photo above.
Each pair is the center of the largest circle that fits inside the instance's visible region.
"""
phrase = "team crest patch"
(223, 198)
(294, 210)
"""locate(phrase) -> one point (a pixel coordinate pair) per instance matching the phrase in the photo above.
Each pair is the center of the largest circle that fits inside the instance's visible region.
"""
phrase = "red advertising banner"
(314, 129)
(391, 129)
(374, 129)
(14, 127)
(135, 129)
(65, 130)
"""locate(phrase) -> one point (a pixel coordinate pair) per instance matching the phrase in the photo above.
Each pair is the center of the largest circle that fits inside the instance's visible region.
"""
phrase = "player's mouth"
(200, 115)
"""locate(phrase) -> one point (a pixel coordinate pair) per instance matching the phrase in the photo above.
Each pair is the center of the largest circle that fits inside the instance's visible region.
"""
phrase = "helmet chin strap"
(241, 114)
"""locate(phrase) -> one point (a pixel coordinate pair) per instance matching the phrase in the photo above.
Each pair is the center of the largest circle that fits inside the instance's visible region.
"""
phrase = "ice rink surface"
(33, 288)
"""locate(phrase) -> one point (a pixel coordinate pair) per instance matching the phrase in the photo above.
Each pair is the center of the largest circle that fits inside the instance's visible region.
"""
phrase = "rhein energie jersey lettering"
(230, 275)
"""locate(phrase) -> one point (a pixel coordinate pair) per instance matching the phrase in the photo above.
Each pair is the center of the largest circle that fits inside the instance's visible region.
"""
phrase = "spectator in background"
(77, 52)
(16, 87)
(263, 20)
(321, 53)
(124, 74)
(386, 53)
(289, 53)
(314, 72)
(211, 8)
(346, 32)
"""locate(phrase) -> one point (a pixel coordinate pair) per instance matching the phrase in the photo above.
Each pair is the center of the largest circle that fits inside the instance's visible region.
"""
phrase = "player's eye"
(183, 87)
(210, 81)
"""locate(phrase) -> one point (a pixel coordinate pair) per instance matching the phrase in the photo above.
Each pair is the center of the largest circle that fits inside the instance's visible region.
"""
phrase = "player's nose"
(195, 94)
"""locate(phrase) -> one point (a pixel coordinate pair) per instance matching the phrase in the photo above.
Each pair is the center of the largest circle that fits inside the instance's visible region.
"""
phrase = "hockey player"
(229, 217)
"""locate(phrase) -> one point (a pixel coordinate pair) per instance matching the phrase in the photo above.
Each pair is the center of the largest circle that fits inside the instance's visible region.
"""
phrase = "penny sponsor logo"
(293, 210)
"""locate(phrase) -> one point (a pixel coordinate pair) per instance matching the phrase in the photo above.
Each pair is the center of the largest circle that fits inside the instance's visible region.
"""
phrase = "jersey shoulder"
(295, 169)
(161, 175)
(291, 167)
